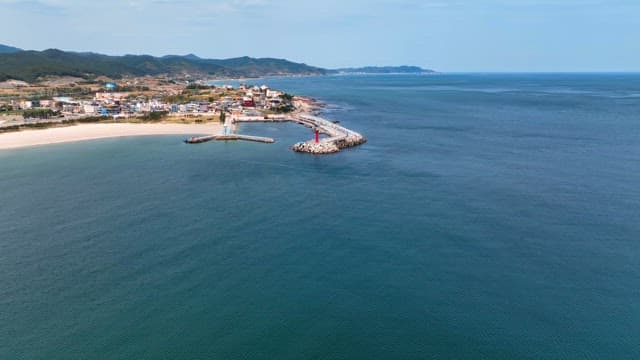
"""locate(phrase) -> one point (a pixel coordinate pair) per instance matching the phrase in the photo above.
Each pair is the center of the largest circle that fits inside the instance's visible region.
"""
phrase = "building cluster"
(245, 99)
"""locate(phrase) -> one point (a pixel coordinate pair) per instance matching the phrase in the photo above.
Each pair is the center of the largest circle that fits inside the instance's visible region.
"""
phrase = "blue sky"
(446, 35)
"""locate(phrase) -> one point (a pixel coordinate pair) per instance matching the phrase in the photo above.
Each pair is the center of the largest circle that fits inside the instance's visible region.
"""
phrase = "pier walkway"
(201, 139)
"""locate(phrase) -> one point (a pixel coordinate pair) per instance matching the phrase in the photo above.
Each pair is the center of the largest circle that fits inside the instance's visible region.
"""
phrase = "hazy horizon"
(537, 36)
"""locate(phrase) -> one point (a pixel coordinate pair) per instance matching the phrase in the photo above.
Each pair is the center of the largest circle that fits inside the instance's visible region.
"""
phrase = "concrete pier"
(261, 139)
(201, 139)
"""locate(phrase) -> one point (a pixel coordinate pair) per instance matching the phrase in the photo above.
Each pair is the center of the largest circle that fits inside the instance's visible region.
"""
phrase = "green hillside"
(5, 49)
(33, 65)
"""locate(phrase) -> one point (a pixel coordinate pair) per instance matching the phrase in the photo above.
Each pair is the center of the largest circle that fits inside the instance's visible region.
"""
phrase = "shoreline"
(84, 132)
(305, 114)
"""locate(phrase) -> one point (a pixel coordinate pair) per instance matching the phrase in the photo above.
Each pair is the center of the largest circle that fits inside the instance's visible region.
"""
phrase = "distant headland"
(385, 70)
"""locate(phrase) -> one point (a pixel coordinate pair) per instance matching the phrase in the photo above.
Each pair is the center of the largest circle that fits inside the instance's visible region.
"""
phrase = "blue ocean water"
(490, 216)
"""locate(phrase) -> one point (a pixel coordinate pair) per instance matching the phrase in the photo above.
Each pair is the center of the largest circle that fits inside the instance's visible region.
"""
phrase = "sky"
(445, 35)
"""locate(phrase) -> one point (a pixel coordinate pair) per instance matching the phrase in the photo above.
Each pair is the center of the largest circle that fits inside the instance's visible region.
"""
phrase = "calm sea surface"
(489, 216)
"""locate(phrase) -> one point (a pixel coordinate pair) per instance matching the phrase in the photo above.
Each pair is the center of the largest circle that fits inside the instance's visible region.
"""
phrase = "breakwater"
(338, 137)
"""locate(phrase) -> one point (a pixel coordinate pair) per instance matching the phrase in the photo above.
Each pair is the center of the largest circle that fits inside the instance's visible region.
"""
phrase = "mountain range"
(32, 66)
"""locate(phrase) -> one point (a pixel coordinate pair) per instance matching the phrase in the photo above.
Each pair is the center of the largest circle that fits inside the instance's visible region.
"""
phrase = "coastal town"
(122, 101)
(169, 102)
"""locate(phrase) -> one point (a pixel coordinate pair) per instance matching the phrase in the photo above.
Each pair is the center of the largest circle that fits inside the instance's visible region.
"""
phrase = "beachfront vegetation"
(6, 108)
(200, 87)
(45, 125)
(121, 88)
(284, 108)
(46, 93)
(178, 99)
(153, 116)
(39, 113)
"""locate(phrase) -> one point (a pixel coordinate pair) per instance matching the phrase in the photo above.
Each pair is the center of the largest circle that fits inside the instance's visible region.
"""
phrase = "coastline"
(83, 132)
(306, 109)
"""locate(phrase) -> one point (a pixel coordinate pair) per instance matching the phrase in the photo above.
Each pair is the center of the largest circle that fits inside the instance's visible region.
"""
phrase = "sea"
(489, 216)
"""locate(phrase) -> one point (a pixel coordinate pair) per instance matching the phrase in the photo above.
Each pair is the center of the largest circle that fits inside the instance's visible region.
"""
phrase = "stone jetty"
(338, 137)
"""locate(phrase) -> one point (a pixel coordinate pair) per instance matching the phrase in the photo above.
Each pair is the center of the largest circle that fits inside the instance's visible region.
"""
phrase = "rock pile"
(323, 147)
(353, 139)
(329, 146)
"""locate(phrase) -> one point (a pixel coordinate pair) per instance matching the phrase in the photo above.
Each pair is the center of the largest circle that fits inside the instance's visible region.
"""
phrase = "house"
(63, 99)
(110, 97)
(47, 103)
(69, 108)
(274, 93)
(247, 101)
(193, 107)
(90, 109)
(111, 110)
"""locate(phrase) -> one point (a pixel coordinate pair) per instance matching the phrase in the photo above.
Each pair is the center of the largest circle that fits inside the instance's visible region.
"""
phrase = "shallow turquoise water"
(488, 216)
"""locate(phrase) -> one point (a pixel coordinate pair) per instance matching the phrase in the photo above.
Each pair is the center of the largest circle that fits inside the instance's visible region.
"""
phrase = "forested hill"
(5, 49)
(31, 66)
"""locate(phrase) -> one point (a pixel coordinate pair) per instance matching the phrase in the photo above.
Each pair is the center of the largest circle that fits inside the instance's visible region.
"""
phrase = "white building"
(273, 93)
(90, 109)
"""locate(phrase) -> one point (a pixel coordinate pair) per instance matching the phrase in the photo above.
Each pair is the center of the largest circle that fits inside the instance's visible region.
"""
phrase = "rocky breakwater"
(322, 147)
(339, 137)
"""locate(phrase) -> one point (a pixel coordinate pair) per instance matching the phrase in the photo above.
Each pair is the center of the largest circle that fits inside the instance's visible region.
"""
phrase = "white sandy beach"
(100, 131)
